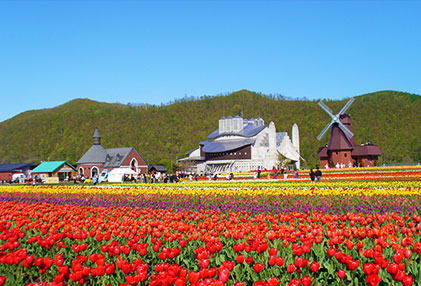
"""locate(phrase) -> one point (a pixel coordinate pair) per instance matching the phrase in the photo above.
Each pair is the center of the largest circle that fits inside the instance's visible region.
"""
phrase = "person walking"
(312, 175)
(318, 174)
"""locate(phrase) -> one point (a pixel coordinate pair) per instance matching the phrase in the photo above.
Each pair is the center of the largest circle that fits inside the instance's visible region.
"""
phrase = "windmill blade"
(346, 106)
(345, 130)
(324, 130)
(325, 108)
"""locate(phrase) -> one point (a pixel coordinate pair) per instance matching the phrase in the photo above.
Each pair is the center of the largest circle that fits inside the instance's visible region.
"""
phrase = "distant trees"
(389, 119)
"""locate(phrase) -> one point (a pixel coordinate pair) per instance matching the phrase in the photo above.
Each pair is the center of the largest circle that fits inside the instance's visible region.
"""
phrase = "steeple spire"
(97, 137)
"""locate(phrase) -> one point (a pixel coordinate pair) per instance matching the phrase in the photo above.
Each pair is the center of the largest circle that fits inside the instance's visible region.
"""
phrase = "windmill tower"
(341, 143)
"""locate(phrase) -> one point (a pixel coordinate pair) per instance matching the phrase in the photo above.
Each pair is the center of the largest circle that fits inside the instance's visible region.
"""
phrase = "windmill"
(336, 119)
(339, 150)
(342, 150)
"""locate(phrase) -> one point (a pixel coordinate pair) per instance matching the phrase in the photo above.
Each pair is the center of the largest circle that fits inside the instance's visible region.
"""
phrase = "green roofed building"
(54, 171)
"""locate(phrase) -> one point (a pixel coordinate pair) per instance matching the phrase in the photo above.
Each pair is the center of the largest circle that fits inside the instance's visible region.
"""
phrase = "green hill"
(389, 119)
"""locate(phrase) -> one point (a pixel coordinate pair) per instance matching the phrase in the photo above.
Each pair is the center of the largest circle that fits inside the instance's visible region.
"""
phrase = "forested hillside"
(389, 119)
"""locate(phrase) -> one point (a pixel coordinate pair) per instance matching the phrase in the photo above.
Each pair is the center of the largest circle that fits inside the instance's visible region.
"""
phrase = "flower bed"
(372, 173)
(247, 233)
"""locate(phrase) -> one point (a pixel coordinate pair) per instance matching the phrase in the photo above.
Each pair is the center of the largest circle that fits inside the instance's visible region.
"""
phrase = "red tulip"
(368, 268)
(341, 273)
(240, 258)
(273, 281)
(331, 252)
(352, 264)
(224, 275)
(273, 251)
(407, 280)
(183, 242)
(272, 260)
(407, 253)
(258, 267)
(299, 262)
(280, 261)
(204, 263)
(110, 268)
(315, 266)
(392, 268)
(373, 279)
(193, 276)
(306, 280)
(368, 253)
(290, 268)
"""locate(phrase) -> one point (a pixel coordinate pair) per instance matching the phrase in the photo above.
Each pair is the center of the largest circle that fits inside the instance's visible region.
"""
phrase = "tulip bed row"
(358, 187)
(371, 173)
(212, 234)
(273, 200)
(405, 175)
(367, 174)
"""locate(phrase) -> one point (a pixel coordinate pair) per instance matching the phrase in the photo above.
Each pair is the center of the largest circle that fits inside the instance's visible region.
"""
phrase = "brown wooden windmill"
(342, 150)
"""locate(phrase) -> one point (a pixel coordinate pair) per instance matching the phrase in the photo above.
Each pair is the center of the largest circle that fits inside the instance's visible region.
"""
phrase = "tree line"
(164, 133)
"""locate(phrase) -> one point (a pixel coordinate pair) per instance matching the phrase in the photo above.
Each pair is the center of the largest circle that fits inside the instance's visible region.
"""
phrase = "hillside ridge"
(163, 133)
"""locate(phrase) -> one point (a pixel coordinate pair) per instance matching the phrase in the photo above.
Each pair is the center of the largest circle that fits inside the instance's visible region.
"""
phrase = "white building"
(241, 145)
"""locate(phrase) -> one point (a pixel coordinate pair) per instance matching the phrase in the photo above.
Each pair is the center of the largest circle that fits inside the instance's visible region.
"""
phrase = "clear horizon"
(158, 52)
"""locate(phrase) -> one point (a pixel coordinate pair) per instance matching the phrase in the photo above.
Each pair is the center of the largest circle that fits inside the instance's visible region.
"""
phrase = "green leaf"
(254, 276)
(276, 271)
(239, 273)
(356, 281)
(329, 267)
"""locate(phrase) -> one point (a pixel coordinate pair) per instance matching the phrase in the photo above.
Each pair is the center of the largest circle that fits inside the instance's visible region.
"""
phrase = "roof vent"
(222, 125)
(237, 124)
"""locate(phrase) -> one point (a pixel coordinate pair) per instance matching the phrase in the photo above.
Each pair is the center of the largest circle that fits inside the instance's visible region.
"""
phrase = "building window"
(245, 153)
(235, 153)
(336, 152)
(346, 155)
(81, 171)
(94, 172)
(133, 164)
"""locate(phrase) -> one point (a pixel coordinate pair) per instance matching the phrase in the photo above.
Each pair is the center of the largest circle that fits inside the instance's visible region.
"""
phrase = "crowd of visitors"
(161, 177)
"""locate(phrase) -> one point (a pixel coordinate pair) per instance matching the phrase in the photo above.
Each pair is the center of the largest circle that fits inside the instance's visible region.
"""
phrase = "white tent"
(116, 175)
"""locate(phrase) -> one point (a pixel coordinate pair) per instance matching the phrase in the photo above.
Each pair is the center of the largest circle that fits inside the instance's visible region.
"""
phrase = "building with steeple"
(97, 159)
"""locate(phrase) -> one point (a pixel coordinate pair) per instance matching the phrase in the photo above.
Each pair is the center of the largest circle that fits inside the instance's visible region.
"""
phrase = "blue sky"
(153, 52)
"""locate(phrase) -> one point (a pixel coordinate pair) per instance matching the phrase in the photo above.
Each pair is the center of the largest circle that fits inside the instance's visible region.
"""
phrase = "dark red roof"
(366, 150)
(322, 152)
(339, 140)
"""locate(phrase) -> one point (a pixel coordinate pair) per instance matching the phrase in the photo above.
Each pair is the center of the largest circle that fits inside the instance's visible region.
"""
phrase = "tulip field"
(351, 232)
